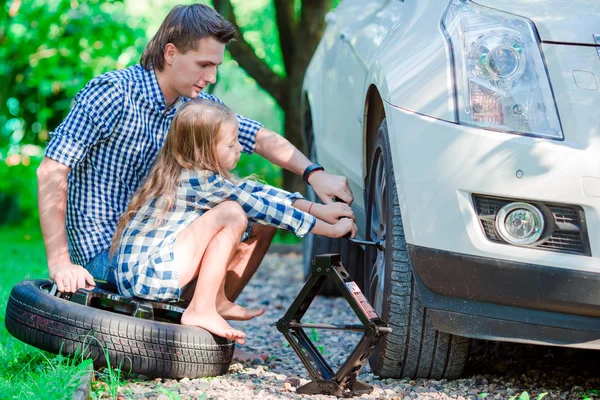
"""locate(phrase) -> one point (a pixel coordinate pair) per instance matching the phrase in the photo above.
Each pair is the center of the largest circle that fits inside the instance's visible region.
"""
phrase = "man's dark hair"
(184, 26)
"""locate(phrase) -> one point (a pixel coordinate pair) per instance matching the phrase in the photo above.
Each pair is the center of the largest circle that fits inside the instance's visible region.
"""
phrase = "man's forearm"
(52, 204)
(280, 151)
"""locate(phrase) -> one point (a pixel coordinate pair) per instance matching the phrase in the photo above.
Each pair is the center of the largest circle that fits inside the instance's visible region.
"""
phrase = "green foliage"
(525, 396)
(589, 394)
(48, 50)
(18, 186)
(171, 395)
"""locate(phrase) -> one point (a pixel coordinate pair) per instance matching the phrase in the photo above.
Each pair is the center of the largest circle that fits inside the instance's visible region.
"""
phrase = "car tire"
(148, 347)
(414, 349)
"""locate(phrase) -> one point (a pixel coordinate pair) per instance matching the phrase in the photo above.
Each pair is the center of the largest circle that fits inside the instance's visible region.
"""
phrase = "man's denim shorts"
(101, 267)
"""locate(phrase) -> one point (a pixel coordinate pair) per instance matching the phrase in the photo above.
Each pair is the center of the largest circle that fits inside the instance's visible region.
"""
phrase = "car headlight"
(501, 78)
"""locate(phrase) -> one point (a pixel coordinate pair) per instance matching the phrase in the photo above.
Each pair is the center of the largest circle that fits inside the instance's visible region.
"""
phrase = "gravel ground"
(267, 368)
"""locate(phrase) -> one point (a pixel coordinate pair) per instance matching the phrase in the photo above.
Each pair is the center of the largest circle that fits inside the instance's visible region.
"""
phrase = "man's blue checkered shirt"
(110, 139)
(144, 258)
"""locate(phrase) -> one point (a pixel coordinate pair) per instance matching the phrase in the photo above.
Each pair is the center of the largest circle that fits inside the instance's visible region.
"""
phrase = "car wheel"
(143, 346)
(415, 348)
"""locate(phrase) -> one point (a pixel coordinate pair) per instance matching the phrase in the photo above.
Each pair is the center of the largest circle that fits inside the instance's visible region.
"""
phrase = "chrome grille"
(488, 206)
(572, 241)
(565, 215)
(564, 242)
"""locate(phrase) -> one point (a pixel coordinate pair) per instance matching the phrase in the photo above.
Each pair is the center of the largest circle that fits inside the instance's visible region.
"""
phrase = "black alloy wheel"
(414, 349)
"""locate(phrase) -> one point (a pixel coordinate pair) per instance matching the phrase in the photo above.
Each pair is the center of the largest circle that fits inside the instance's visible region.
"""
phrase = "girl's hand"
(333, 212)
(345, 226)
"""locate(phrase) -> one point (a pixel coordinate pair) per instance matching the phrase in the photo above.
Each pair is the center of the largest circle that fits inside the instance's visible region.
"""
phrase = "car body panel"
(343, 58)
(562, 21)
(445, 163)
(402, 53)
(416, 68)
(574, 73)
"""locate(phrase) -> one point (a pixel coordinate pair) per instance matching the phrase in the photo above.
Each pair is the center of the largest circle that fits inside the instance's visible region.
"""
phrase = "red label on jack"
(362, 300)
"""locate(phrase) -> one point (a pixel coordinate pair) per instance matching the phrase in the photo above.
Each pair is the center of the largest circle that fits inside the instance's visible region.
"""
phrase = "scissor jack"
(343, 383)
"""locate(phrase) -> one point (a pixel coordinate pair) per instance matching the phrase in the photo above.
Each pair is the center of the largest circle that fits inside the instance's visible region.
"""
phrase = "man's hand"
(329, 186)
(70, 277)
(331, 213)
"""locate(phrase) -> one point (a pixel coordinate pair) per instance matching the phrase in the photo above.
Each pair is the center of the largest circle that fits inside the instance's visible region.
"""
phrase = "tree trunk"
(299, 39)
(291, 181)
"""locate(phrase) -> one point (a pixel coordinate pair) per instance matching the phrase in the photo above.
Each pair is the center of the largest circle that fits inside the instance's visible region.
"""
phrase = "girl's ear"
(169, 53)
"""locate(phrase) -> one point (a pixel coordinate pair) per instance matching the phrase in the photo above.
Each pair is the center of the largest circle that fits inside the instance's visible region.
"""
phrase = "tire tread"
(414, 349)
(48, 323)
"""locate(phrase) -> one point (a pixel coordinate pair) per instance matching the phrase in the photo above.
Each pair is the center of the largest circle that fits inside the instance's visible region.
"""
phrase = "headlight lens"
(501, 78)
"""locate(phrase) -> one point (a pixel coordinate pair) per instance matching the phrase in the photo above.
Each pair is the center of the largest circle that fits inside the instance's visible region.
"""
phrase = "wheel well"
(374, 115)
(306, 122)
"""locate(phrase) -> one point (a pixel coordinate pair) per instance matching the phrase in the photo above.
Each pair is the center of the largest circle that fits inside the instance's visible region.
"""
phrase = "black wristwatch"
(309, 170)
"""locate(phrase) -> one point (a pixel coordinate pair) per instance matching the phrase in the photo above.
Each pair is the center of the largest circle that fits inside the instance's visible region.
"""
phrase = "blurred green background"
(49, 49)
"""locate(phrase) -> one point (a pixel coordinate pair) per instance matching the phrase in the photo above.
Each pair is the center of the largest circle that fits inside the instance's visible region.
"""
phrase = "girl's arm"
(340, 226)
(330, 213)
(264, 204)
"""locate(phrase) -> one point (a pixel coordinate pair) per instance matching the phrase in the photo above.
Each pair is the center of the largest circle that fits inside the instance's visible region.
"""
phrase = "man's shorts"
(102, 267)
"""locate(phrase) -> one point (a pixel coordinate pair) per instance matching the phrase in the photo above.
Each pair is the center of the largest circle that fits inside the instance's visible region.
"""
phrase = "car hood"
(562, 21)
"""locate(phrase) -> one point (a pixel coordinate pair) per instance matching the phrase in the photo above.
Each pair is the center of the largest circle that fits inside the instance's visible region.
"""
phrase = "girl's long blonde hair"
(191, 144)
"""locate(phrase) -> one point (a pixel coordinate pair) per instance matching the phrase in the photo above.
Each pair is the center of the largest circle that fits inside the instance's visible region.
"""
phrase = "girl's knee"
(233, 215)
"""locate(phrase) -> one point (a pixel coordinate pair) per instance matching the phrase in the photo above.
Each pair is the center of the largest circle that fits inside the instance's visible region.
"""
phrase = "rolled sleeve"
(65, 149)
(262, 203)
(95, 113)
(307, 223)
(247, 133)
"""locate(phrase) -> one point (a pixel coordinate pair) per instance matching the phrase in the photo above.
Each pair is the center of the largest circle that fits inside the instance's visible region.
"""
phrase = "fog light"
(520, 223)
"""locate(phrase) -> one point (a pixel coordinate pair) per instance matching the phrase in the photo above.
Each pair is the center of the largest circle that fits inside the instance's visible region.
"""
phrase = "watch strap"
(309, 170)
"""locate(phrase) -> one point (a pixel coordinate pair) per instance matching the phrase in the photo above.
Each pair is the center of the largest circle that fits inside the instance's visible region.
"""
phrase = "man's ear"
(169, 53)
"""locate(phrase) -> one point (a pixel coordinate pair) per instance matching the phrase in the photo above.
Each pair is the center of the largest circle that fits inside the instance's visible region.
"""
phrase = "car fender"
(415, 59)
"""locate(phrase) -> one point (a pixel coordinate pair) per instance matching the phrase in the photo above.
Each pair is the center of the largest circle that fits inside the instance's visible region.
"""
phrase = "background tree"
(300, 25)
(49, 49)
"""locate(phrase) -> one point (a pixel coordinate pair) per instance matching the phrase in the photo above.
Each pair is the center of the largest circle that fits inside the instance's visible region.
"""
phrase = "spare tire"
(143, 346)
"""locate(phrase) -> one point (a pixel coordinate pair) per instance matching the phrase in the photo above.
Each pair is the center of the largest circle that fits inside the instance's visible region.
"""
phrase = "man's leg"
(247, 258)
(244, 263)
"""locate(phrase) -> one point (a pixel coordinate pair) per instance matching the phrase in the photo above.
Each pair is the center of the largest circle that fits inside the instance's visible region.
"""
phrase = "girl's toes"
(230, 334)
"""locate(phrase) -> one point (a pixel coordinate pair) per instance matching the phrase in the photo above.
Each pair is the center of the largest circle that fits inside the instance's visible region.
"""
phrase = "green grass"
(25, 371)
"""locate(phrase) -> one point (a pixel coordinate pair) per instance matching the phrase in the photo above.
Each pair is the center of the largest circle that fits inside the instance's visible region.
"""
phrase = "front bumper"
(439, 166)
(499, 300)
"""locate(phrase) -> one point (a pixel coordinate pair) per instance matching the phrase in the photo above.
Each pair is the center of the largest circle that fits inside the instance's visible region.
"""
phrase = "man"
(103, 150)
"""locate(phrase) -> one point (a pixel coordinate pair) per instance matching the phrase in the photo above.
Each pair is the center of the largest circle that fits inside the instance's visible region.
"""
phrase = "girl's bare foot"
(232, 311)
(212, 322)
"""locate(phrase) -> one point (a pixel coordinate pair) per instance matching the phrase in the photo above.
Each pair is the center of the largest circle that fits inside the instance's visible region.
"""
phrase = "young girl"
(187, 218)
